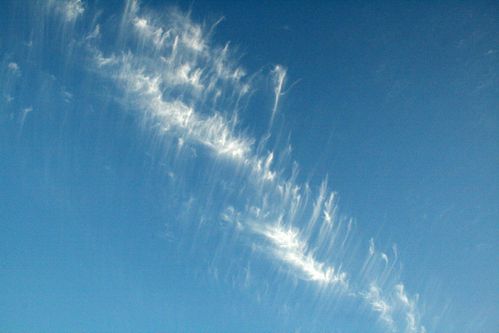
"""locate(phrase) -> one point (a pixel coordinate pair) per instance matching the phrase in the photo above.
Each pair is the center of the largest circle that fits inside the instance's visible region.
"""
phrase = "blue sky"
(229, 166)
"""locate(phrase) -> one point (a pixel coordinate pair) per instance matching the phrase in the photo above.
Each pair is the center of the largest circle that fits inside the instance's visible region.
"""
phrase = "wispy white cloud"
(378, 304)
(185, 86)
(372, 248)
(100, 60)
(24, 114)
(70, 9)
(185, 74)
(408, 306)
(289, 248)
(278, 78)
(186, 63)
(13, 67)
(212, 131)
(147, 31)
(189, 62)
(394, 303)
(263, 167)
(95, 33)
(384, 257)
(386, 294)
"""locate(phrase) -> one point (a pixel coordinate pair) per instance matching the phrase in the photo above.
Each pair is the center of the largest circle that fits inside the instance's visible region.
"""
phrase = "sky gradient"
(228, 166)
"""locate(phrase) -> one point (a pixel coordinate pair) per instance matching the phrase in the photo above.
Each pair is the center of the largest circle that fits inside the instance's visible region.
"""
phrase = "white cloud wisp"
(184, 86)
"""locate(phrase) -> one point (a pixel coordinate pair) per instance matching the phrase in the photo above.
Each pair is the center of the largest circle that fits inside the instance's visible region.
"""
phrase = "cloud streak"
(288, 248)
(278, 79)
(70, 10)
(182, 85)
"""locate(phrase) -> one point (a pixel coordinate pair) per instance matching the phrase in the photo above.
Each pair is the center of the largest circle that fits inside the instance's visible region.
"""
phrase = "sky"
(239, 166)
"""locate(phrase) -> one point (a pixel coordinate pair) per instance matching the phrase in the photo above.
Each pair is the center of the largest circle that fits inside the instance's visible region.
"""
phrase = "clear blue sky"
(233, 166)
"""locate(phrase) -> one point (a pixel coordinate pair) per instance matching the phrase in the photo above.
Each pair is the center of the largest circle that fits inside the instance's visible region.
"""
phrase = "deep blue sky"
(110, 224)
